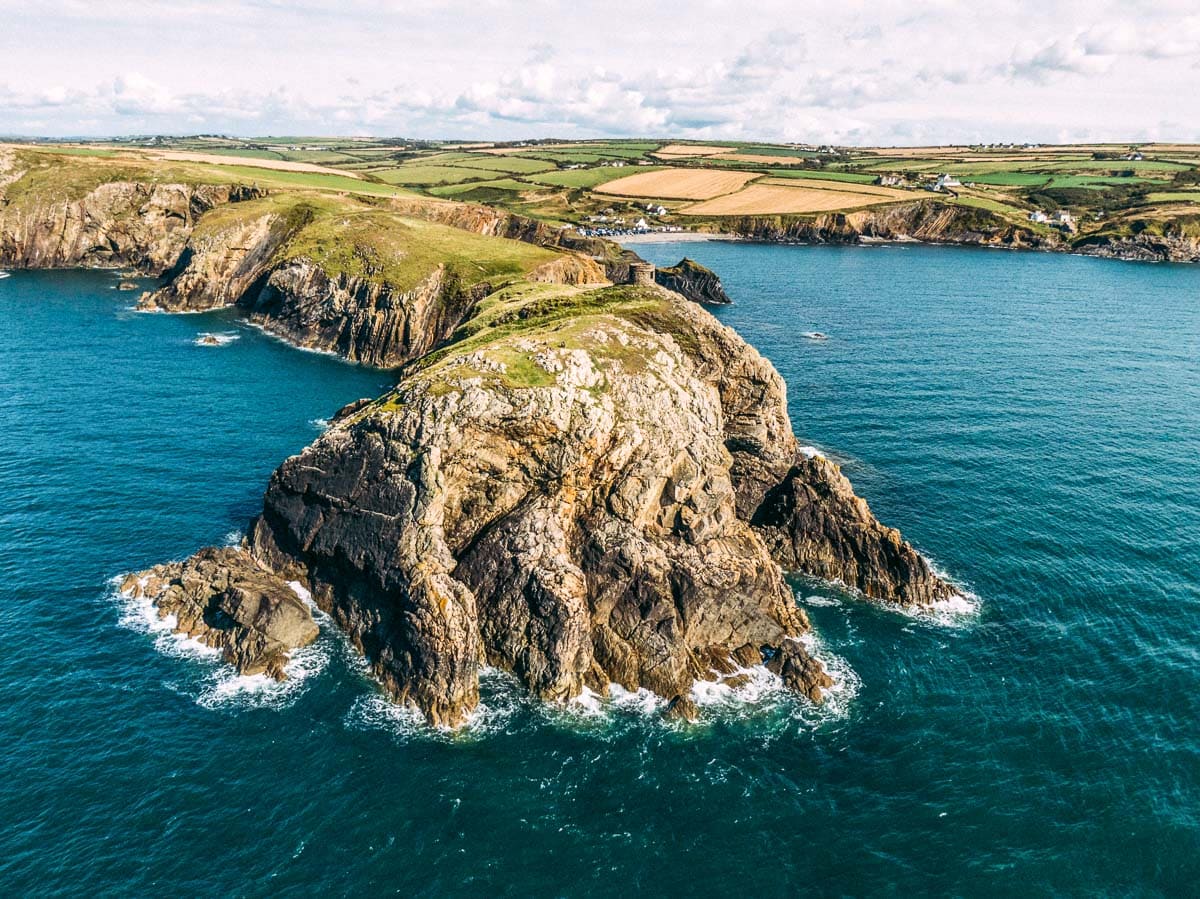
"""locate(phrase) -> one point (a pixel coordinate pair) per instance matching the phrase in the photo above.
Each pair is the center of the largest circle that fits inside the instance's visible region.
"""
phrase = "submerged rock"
(224, 599)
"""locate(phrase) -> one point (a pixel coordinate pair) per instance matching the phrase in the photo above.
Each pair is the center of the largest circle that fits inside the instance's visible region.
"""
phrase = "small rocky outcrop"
(224, 599)
(799, 671)
(814, 523)
(694, 281)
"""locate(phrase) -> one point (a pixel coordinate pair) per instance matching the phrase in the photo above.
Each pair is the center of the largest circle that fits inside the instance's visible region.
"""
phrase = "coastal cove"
(1026, 741)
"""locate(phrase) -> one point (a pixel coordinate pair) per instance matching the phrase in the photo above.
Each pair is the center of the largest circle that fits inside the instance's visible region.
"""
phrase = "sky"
(878, 73)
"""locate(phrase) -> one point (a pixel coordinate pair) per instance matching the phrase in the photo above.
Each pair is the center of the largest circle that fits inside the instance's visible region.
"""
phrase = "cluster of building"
(940, 184)
(618, 227)
(1059, 219)
(607, 224)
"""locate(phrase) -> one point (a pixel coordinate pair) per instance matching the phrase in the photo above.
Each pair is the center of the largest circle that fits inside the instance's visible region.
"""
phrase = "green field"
(429, 174)
(824, 175)
(587, 177)
(500, 184)
(513, 165)
(555, 181)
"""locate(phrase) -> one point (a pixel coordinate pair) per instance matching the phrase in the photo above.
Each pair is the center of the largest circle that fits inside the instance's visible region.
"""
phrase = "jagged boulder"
(692, 280)
(813, 522)
(226, 600)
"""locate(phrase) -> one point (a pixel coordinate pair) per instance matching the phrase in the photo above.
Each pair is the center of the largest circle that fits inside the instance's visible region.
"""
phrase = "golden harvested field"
(759, 158)
(768, 198)
(678, 184)
(682, 150)
(246, 161)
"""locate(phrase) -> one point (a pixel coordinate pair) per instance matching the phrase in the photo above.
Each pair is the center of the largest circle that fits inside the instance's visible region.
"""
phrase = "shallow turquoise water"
(1032, 422)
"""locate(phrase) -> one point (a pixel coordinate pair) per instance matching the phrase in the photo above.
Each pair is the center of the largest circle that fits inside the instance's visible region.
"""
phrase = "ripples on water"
(1030, 421)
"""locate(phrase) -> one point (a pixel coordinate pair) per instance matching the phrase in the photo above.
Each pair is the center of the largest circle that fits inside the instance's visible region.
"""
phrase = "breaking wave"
(219, 685)
(216, 338)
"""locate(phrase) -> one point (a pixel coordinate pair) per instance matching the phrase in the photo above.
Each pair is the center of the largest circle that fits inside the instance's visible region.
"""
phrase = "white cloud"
(871, 72)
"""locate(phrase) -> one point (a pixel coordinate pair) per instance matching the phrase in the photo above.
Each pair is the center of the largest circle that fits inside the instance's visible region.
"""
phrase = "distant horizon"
(661, 138)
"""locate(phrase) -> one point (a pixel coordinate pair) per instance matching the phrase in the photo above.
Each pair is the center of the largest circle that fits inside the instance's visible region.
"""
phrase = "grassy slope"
(345, 233)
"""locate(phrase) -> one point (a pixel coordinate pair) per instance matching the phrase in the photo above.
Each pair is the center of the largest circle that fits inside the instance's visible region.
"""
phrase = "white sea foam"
(810, 452)
(233, 538)
(220, 684)
(225, 687)
(4, 274)
(320, 424)
(216, 338)
(139, 614)
(295, 346)
(816, 599)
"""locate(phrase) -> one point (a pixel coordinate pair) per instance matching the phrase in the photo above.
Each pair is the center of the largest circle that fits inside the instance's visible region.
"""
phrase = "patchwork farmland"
(613, 186)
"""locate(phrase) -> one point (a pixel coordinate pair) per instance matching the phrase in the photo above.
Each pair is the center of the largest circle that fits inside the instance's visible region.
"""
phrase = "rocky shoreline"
(929, 223)
(580, 476)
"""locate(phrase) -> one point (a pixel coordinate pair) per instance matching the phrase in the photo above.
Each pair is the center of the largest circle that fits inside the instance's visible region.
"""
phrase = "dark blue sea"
(1031, 422)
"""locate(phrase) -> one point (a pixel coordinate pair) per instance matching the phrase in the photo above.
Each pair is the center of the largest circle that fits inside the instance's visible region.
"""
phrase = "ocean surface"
(1031, 422)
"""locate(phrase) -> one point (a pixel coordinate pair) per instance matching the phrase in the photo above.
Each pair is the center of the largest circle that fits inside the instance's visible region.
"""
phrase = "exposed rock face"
(219, 267)
(799, 670)
(694, 281)
(117, 224)
(362, 320)
(577, 533)
(923, 221)
(224, 599)
(815, 523)
(1144, 247)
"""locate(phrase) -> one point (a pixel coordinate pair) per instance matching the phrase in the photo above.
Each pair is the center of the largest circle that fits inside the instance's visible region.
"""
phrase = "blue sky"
(866, 73)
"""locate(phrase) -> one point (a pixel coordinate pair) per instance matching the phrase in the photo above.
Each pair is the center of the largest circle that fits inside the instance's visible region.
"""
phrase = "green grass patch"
(512, 165)
(584, 178)
(425, 175)
(849, 177)
(1182, 196)
(499, 186)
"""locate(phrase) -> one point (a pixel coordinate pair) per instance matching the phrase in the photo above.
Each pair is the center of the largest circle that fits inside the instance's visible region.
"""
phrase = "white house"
(1039, 217)
(945, 182)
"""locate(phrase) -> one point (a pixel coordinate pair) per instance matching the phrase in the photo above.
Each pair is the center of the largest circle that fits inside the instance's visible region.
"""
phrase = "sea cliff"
(929, 221)
(579, 481)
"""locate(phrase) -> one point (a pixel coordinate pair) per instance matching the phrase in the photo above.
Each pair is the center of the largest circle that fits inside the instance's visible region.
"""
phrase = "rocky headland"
(578, 480)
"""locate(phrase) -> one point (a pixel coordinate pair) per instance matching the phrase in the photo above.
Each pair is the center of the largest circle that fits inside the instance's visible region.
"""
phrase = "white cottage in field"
(1038, 217)
(946, 182)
